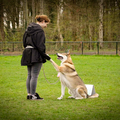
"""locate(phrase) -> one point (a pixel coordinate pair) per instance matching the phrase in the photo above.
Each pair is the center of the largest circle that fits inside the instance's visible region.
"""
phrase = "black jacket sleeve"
(40, 44)
(24, 39)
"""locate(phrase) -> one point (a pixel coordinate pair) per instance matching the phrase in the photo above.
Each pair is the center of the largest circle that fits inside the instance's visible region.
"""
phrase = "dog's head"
(64, 57)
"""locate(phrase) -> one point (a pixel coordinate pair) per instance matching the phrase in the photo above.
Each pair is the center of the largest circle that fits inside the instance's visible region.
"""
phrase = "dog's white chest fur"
(64, 81)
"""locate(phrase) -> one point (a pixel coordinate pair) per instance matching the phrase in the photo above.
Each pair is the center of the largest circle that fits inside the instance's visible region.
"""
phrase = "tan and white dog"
(70, 79)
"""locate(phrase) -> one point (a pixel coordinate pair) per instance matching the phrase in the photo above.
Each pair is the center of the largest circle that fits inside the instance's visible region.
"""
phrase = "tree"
(101, 23)
(33, 11)
(1, 21)
(25, 13)
(41, 6)
(58, 24)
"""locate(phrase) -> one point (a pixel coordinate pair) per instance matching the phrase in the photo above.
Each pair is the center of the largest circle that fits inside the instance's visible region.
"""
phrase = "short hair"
(40, 18)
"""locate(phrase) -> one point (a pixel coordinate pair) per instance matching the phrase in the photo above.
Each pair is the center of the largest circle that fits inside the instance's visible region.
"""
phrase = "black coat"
(34, 36)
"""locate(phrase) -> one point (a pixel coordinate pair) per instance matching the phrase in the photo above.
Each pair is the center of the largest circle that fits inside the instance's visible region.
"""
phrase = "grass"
(102, 71)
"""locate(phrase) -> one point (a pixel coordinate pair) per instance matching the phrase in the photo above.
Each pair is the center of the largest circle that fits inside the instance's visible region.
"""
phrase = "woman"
(34, 53)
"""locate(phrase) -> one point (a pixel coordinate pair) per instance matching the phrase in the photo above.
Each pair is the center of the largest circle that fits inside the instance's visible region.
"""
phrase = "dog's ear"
(68, 53)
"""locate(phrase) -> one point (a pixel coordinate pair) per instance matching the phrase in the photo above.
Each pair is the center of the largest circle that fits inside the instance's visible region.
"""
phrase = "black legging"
(33, 72)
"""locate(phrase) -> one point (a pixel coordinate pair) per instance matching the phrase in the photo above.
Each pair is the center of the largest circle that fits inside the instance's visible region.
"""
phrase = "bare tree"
(101, 23)
(17, 12)
(58, 25)
(25, 13)
(33, 11)
(41, 6)
(1, 21)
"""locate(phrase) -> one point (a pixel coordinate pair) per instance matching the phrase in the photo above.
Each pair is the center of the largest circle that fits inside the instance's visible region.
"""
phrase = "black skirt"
(26, 57)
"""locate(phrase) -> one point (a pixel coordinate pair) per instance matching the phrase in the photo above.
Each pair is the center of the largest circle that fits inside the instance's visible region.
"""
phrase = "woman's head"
(42, 20)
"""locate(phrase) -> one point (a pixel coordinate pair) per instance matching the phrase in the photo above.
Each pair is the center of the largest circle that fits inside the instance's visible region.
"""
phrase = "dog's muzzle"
(59, 57)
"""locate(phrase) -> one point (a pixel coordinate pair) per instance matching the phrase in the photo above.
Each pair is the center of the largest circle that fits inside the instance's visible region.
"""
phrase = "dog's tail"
(94, 96)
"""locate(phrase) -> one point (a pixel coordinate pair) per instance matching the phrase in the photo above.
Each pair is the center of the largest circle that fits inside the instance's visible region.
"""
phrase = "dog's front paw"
(78, 98)
(70, 97)
(59, 98)
(50, 60)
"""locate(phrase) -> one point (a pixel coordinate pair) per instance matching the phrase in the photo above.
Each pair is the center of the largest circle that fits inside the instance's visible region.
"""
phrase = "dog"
(70, 79)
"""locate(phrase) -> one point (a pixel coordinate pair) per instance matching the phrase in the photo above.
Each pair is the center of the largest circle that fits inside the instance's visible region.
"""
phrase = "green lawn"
(101, 71)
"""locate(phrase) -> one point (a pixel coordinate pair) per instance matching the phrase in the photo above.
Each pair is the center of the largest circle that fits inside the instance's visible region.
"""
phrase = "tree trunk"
(37, 7)
(101, 23)
(41, 7)
(118, 3)
(13, 18)
(2, 35)
(33, 11)
(25, 13)
(17, 12)
(90, 35)
(58, 26)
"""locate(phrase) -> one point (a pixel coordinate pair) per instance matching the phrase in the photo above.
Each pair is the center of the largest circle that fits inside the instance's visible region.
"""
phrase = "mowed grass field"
(101, 71)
